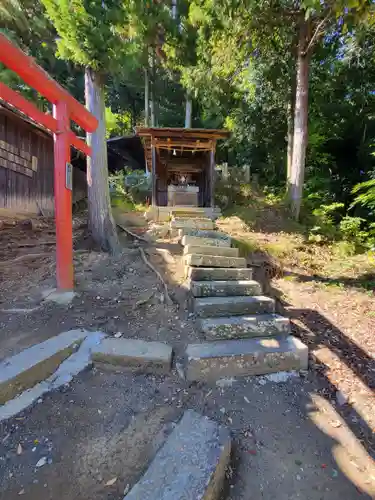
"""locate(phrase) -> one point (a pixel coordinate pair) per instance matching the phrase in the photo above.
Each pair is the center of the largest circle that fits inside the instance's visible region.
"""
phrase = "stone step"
(237, 327)
(196, 240)
(190, 465)
(199, 260)
(211, 307)
(206, 211)
(218, 273)
(211, 361)
(211, 250)
(224, 288)
(201, 233)
(189, 214)
(190, 223)
(134, 354)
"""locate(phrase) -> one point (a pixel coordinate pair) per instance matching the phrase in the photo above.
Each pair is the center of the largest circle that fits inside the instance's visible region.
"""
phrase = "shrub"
(365, 192)
(350, 228)
(325, 219)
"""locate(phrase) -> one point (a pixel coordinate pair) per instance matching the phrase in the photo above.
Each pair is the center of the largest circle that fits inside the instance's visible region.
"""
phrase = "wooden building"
(27, 165)
(182, 164)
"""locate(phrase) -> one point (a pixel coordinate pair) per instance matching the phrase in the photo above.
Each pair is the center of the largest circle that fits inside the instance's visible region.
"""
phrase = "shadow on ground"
(365, 281)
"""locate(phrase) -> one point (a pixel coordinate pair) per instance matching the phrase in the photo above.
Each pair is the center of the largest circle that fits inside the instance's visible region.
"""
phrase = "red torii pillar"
(65, 108)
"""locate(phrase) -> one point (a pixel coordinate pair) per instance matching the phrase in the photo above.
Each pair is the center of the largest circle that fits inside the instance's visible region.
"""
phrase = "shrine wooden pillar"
(212, 178)
(154, 201)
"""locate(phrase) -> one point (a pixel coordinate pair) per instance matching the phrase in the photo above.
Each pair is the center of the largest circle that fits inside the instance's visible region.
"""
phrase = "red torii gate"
(65, 108)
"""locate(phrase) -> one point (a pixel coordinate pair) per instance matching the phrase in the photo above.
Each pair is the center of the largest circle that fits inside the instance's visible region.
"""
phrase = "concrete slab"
(190, 466)
(190, 223)
(199, 260)
(224, 288)
(218, 273)
(24, 370)
(64, 374)
(200, 233)
(197, 240)
(60, 297)
(211, 307)
(237, 327)
(211, 250)
(138, 355)
(234, 358)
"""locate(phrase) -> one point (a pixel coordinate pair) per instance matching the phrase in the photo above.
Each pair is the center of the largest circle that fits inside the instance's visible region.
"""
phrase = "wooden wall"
(26, 167)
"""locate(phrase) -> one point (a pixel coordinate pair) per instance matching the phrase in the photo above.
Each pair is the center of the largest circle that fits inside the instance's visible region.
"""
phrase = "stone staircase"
(244, 335)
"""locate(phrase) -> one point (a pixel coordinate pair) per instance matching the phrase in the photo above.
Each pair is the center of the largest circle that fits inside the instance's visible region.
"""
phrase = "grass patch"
(246, 247)
(126, 204)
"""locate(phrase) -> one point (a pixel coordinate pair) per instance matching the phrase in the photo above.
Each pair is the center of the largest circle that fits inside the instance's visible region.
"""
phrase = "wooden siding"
(26, 167)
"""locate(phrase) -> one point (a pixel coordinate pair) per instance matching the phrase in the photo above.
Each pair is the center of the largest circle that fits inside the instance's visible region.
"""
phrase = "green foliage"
(117, 124)
(350, 228)
(92, 34)
(365, 194)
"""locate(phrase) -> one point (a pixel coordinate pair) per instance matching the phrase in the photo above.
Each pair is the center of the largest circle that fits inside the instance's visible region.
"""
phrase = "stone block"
(237, 358)
(26, 369)
(218, 273)
(200, 233)
(190, 223)
(237, 327)
(207, 307)
(200, 260)
(211, 242)
(224, 288)
(190, 465)
(211, 250)
(134, 354)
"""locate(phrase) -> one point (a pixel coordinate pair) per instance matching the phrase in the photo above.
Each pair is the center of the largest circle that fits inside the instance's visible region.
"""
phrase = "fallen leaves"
(111, 482)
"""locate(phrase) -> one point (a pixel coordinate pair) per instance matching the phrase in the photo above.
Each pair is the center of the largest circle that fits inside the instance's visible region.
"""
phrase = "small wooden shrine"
(182, 164)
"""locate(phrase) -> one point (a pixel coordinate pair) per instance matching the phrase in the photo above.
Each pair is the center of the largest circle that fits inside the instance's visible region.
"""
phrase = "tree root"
(29, 256)
(168, 299)
(127, 231)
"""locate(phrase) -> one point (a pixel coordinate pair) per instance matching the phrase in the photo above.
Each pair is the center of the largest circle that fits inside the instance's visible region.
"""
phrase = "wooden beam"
(182, 133)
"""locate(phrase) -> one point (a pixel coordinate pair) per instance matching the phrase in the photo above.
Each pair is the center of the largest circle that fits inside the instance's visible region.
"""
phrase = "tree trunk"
(152, 107)
(101, 224)
(188, 111)
(300, 135)
(289, 159)
(152, 93)
(174, 9)
(147, 98)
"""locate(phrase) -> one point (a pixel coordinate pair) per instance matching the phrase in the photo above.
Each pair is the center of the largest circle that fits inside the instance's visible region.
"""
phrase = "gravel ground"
(106, 427)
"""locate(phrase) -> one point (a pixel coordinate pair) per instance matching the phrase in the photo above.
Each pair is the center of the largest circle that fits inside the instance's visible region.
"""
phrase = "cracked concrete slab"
(64, 374)
(36, 363)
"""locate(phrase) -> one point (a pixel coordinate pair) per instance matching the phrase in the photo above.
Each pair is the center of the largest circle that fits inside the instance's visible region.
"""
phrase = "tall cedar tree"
(96, 35)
